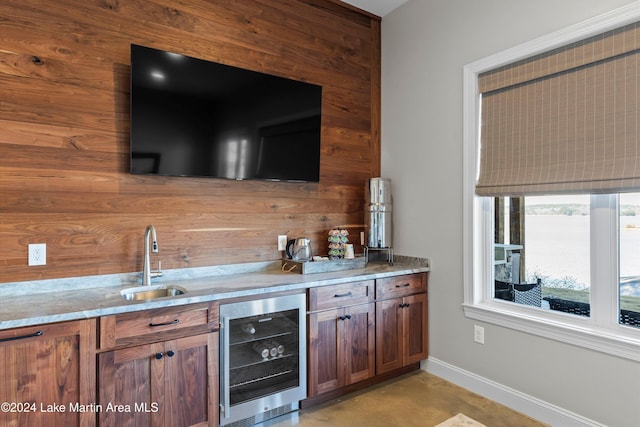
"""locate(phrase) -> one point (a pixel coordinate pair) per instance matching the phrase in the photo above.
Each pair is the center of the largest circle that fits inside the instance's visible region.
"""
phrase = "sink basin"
(142, 293)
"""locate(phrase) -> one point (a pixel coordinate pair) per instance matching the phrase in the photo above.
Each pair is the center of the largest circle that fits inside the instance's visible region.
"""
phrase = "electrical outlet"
(38, 254)
(282, 242)
(478, 334)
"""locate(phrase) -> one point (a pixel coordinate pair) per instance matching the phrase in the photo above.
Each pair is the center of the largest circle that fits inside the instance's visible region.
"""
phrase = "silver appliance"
(379, 217)
(263, 369)
(301, 250)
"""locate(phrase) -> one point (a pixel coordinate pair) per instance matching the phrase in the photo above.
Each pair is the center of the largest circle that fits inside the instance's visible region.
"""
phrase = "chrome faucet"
(147, 274)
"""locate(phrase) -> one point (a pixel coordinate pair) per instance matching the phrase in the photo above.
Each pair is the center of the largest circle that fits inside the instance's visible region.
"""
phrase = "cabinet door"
(323, 365)
(46, 368)
(389, 344)
(401, 332)
(341, 347)
(415, 328)
(172, 384)
(131, 386)
(357, 343)
(191, 381)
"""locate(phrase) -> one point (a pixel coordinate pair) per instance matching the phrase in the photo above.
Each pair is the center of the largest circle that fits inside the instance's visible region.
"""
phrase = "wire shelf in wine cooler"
(276, 326)
(255, 380)
(245, 360)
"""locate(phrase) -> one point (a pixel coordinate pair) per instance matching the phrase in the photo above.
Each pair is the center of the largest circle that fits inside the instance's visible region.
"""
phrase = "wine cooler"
(262, 359)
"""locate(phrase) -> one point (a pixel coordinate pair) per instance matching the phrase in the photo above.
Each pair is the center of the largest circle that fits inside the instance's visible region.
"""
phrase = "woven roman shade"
(565, 121)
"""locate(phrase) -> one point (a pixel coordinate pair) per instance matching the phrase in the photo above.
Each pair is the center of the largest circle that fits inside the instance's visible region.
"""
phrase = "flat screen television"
(192, 117)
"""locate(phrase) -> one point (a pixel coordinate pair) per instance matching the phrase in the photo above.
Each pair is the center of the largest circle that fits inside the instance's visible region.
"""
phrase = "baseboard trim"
(511, 398)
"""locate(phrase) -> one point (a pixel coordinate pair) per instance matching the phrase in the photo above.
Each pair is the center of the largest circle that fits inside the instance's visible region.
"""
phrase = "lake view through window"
(544, 254)
(629, 237)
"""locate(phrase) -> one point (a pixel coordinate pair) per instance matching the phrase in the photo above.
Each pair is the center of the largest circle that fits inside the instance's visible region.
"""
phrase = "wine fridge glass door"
(263, 357)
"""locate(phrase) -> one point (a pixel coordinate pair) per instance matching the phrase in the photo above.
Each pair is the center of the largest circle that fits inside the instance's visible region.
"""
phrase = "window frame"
(600, 331)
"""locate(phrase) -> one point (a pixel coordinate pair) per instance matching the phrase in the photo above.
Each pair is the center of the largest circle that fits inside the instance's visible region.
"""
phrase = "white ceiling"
(377, 7)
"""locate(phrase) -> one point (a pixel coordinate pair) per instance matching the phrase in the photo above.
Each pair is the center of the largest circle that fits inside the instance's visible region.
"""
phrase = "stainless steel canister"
(378, 215)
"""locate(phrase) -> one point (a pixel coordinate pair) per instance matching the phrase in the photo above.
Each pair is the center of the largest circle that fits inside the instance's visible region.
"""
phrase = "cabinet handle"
(341, 317)
(348, 316)
(37, 334)
(158, 356)
(403, 286)
(173, 322)
(170, 353)
(348, 294)
(405, 305)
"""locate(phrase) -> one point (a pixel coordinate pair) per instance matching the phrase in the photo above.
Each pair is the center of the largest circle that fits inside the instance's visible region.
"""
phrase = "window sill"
(561, 327)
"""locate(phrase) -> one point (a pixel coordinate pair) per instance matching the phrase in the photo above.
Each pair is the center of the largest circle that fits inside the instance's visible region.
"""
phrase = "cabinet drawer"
(398, 286)
(158, 324)
(325, 297)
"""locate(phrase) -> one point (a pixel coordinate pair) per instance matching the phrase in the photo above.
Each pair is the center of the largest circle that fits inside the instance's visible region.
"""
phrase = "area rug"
(460, 420)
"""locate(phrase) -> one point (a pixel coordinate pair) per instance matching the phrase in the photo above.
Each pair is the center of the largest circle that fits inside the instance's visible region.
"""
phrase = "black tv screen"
(191, 117)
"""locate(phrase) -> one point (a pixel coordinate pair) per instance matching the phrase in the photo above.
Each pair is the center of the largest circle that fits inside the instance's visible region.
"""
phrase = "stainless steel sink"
(142, 293)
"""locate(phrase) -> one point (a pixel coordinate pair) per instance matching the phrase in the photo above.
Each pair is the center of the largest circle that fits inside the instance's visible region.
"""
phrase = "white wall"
(425, 44)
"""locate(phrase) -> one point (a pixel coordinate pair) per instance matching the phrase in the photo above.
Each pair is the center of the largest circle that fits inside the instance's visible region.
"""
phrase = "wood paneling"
(64, 132)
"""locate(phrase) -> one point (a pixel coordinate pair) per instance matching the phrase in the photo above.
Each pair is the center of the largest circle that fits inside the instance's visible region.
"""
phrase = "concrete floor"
(416, 399)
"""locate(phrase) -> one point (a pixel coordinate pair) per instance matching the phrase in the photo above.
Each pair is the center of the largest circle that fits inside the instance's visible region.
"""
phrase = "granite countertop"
(47, 301)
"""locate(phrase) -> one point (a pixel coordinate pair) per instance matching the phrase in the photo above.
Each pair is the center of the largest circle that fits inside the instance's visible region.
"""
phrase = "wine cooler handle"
(224, 377)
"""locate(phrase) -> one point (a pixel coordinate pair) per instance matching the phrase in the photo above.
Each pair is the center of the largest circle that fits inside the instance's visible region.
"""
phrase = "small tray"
(310, 267)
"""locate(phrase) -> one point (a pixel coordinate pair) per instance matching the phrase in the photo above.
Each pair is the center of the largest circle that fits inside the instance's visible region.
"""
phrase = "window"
(505, 234)
(629, 250)
(549, 265)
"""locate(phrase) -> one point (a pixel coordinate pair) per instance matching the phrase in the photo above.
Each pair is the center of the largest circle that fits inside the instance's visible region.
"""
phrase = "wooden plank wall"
(64, 132)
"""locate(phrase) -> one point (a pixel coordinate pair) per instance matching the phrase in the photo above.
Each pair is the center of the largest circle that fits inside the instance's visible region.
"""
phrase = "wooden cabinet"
(361, 333)
(341, 336)
(160, 367)
(160, 384)
(128, 329)
(48, 375)
(401, 321)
